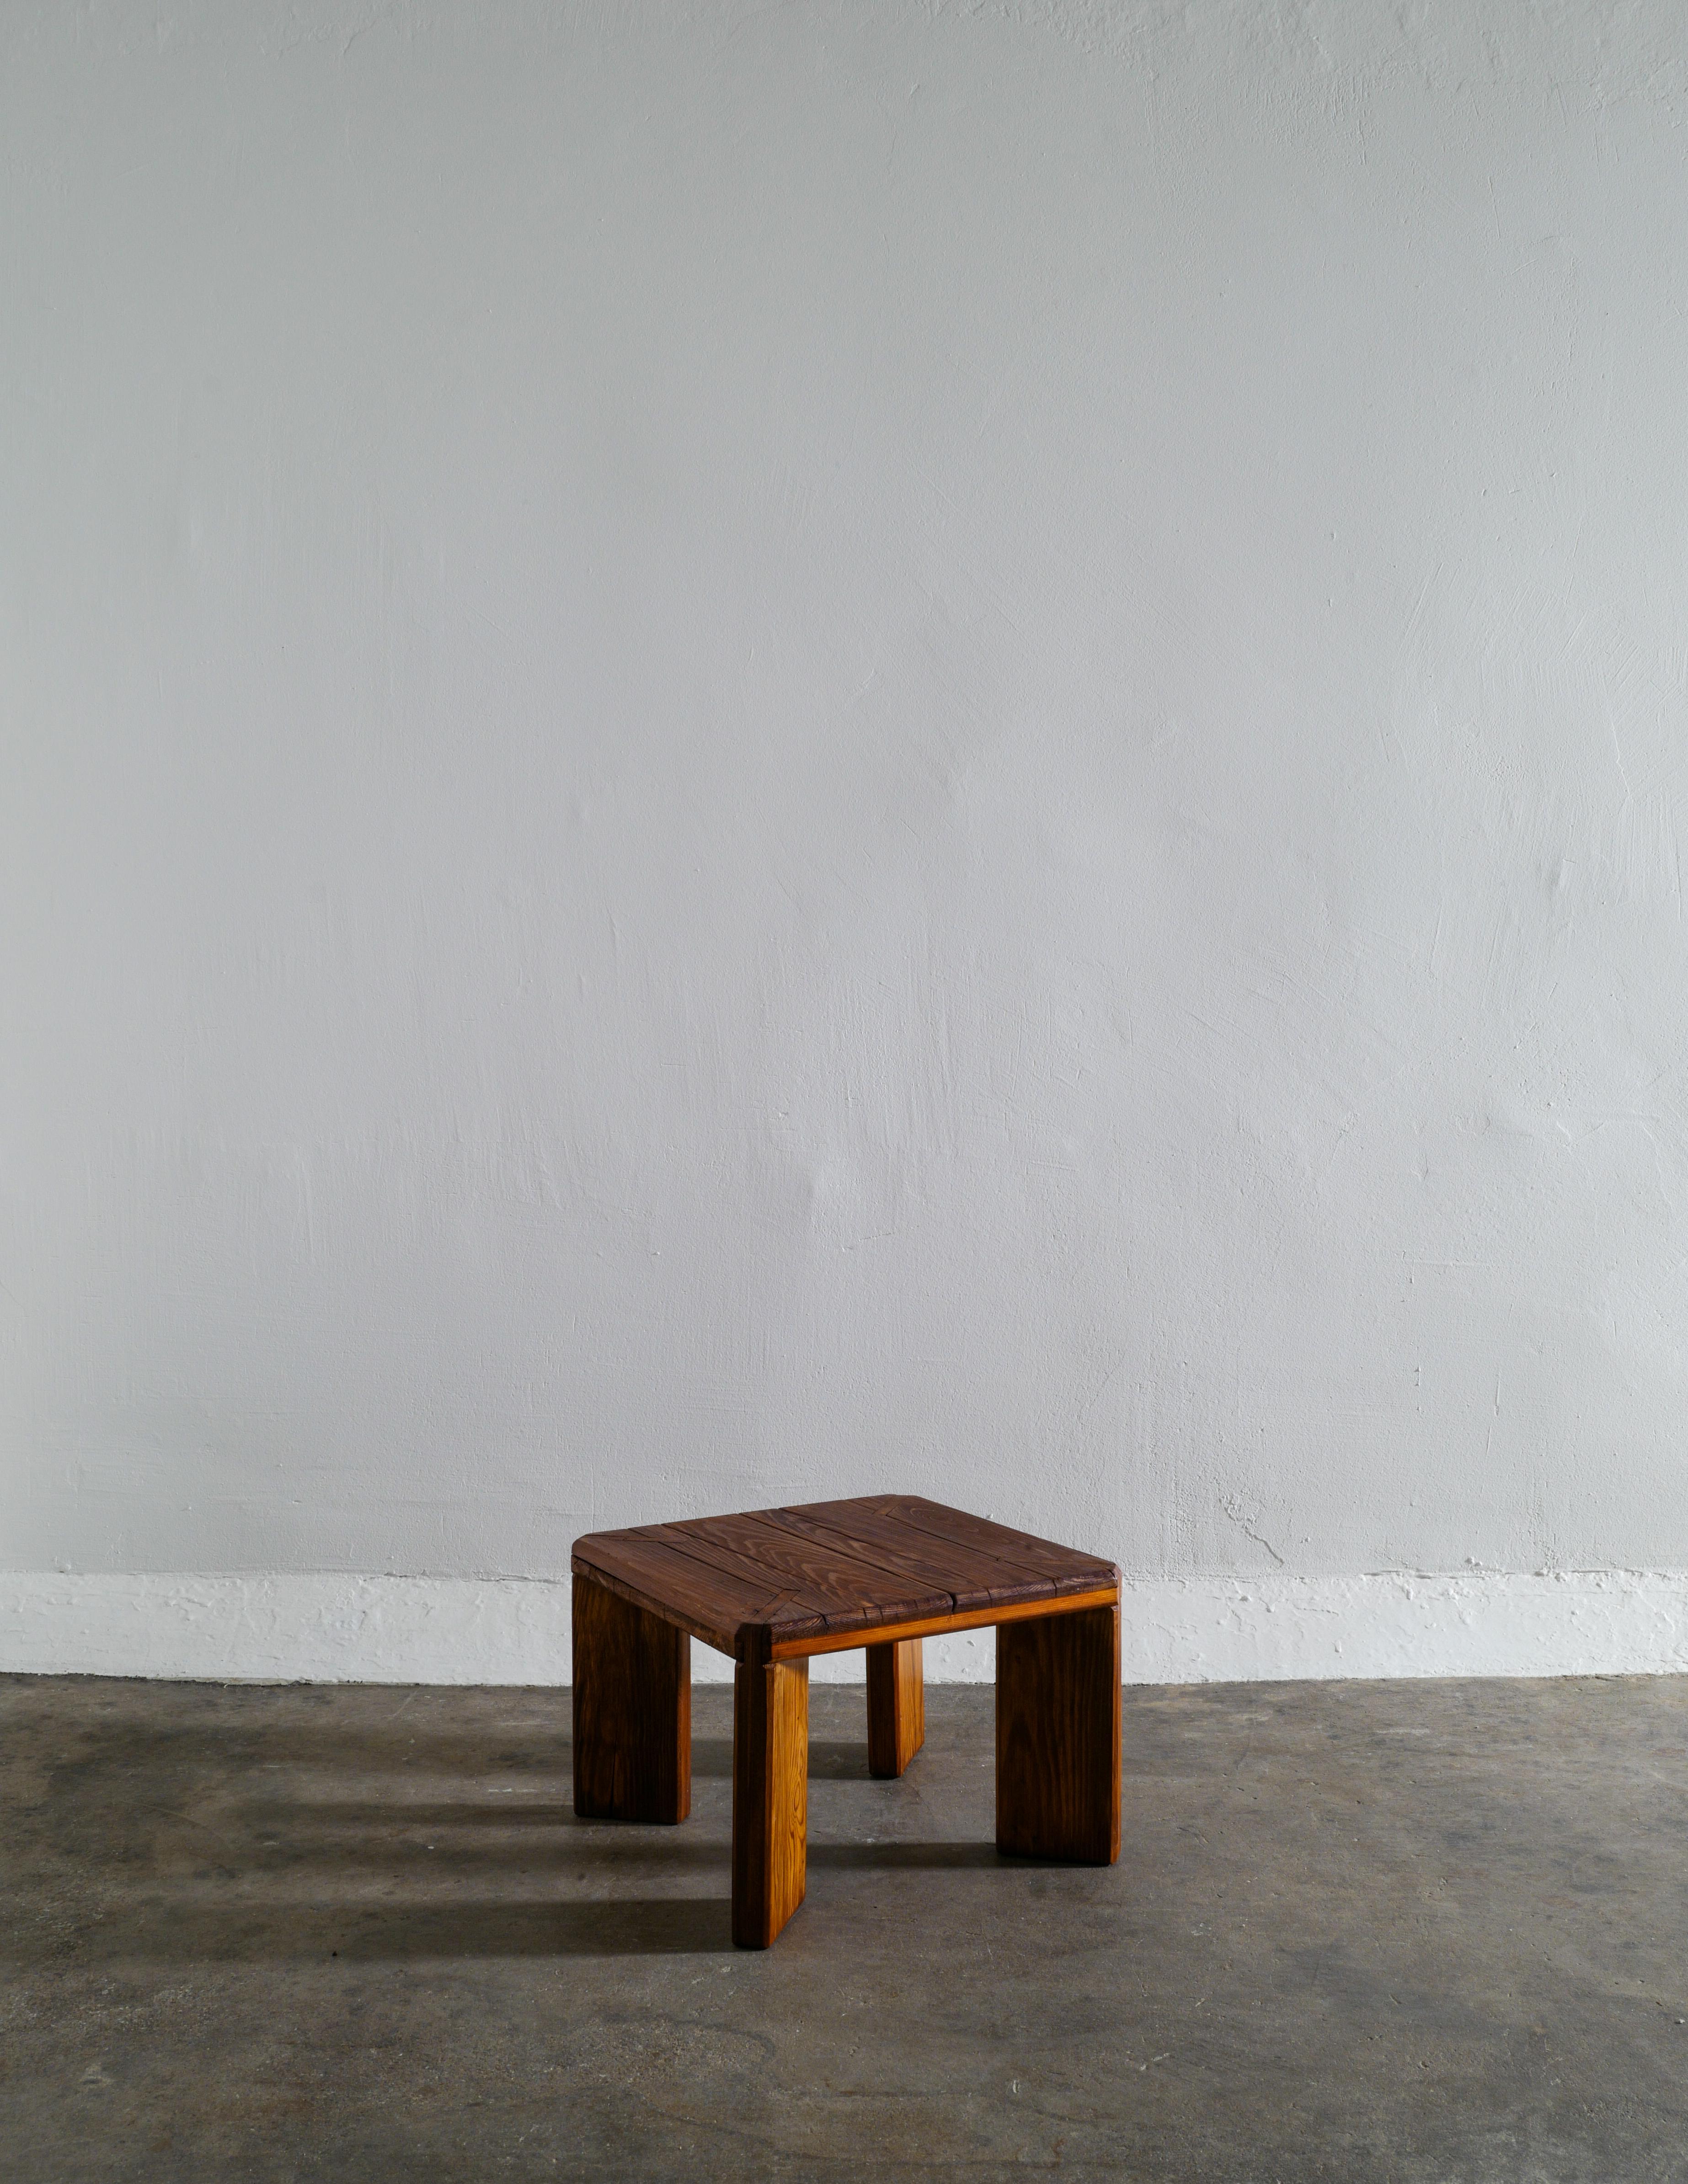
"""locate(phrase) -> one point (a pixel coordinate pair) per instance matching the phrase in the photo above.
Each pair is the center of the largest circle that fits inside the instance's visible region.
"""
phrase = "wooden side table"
(772, 1586)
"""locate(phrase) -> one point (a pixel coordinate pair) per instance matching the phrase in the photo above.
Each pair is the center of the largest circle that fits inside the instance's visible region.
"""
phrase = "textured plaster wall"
(752, 752)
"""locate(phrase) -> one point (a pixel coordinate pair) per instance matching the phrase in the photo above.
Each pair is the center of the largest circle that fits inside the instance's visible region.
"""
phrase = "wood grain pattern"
(840, 1585)
(829, 1571)
(938, 1626)
(643, 1595)
(632, 1710)
(664, 1584)
(770, 1796)
(897, 1706)
(760, 1590)
(1064, 1568)
(971, 1578)
(1057, 1736)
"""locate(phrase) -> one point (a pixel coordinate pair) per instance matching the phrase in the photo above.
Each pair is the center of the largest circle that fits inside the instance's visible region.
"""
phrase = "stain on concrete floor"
(1389, 1931)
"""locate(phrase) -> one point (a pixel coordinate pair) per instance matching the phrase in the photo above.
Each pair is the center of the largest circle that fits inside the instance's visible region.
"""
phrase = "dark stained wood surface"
(971, 1580)
(819, 1580)
(897, 1706)
(1065, 1569)
(1057, 1736)
(814, 1574)
(632, 1711)
(672, 1585)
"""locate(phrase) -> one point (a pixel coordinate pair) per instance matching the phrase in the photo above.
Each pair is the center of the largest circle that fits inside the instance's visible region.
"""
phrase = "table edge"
(752, 1640)
(722, 1640)
(939, 1626)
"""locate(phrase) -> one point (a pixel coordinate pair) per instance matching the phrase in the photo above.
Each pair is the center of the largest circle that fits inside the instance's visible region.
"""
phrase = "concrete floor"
(1403, 1931)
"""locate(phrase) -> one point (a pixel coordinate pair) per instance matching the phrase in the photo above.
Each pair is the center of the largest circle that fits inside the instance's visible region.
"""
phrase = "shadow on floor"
(168, 1820)
(903, 1857)
(184, 1927)
(174, 1930)
(712, 1758)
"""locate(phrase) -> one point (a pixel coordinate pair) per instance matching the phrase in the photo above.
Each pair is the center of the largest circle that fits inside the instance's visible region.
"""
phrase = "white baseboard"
(1479, 1623)
(516, 1631)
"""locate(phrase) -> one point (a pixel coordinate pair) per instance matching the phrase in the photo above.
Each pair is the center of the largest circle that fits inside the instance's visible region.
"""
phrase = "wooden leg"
(897, 1706)
(632, 1710)
(770, 1796)
(1057, 1736)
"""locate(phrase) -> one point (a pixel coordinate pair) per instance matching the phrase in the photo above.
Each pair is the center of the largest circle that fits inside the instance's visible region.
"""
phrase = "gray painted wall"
(756, 752)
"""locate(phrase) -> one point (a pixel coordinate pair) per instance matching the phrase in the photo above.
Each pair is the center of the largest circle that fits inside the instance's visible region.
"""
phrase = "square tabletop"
(828, 1574)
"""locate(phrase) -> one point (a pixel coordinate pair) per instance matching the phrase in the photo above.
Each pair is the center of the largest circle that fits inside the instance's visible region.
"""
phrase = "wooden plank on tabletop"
(851, 1594)
(1066, 1568)
(972, 1580)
